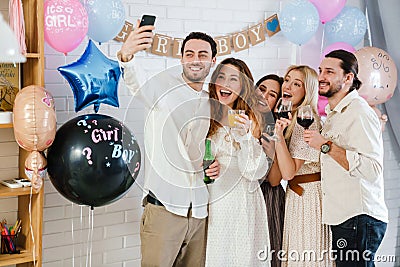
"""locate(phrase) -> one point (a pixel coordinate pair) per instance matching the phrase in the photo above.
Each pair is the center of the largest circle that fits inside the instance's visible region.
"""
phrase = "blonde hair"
(310, 96)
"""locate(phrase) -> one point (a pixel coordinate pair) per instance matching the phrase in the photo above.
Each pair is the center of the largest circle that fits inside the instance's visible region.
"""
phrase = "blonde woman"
(306, 240)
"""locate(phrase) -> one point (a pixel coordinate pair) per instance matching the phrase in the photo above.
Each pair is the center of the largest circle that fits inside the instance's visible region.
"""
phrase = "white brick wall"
(116, 241)
(391, 241)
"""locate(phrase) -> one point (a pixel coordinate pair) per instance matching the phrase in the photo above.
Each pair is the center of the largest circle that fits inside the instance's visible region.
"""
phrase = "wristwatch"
(325, 148)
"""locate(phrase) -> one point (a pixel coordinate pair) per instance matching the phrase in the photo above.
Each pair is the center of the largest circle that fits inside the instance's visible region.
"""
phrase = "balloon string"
(65, 63)
(293, 60)
(72, 235)
(87, 246)
(91, 235)
(31, 228)
(81, 235)
(322, 39)
(299, 54)
(90, 239)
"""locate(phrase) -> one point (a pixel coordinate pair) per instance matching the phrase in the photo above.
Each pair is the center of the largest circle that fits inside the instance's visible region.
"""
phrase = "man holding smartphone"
(173, 227)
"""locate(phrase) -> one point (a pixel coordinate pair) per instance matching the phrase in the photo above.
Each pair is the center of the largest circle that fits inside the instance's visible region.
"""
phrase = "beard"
(333, 89)
(198, 76)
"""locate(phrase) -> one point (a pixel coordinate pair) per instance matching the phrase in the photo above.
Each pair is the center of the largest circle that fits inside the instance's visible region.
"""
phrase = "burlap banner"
(164, 45)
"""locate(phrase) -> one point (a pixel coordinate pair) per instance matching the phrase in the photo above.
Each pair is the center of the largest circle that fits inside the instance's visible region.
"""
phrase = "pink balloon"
(336, 46)
(383, 118)
(34, 118)
(65, 24)
(327, 10)
(322, 102)
(378, 74)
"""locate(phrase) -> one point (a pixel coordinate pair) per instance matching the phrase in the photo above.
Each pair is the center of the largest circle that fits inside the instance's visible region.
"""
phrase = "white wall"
(116, 240)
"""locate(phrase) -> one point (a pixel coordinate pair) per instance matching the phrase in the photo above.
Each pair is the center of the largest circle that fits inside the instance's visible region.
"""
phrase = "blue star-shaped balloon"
(93, 79)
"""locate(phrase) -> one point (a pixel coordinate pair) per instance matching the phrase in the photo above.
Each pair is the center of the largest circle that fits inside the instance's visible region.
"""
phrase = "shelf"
(30, 207)
(13, 192)
(32, 55)
(6, 125)
(11, 259)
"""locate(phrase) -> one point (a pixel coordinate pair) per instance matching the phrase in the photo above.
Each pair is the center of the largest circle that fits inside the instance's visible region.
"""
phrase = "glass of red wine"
(305, 116)
(283, 107)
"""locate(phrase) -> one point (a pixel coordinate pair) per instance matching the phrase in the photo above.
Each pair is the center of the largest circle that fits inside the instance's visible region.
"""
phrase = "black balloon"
(94, 160)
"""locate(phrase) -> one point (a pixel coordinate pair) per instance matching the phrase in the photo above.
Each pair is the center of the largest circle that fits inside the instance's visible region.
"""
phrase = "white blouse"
(237, 223)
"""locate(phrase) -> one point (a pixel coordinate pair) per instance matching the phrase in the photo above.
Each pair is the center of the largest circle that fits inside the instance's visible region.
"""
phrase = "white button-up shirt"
(176, 124)
(354, 126)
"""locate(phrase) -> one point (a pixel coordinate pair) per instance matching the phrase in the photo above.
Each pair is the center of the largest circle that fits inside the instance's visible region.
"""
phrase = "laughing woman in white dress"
(237, 222)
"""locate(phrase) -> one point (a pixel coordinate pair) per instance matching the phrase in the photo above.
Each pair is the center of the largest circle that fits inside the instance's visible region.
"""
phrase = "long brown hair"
(246, 101)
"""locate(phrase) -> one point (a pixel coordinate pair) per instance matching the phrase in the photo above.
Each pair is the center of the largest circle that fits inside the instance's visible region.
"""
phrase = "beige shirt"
(176, 124)
(354, 126)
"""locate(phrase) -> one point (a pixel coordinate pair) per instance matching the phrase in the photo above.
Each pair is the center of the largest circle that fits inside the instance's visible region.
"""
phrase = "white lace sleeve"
(253, 163)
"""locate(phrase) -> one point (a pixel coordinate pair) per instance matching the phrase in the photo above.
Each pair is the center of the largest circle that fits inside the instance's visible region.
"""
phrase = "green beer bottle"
(207, 161)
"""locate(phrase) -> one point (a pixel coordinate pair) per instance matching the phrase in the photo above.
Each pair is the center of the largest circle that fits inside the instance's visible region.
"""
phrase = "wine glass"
(283, 107)
(232, 116)
(270, 130)
(305, 116)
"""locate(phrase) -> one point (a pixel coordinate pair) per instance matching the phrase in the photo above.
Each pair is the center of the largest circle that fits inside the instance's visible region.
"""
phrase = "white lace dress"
(237, 221)
(306, 241)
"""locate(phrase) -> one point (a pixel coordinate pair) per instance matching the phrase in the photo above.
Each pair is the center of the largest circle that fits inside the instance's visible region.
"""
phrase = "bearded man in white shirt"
(351, 164)
(173, 227)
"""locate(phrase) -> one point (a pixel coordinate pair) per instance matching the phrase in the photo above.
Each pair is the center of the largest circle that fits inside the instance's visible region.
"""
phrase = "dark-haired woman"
(268, 90)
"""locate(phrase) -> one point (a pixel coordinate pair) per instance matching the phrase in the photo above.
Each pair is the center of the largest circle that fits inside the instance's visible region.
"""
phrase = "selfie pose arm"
(139, 39)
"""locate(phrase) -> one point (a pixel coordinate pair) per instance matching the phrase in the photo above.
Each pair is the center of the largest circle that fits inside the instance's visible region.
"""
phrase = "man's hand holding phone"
(139, 39)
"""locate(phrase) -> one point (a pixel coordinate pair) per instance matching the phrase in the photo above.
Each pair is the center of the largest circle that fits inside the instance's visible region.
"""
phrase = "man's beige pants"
(171, 240)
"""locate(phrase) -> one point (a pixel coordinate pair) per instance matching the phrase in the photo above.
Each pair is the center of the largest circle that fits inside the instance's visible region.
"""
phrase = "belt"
(153, 200)
(301, 179)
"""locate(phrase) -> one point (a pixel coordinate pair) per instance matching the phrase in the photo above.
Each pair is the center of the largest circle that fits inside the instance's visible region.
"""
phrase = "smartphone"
(23, 182)
(11, 183)
(265, 138)
(147, 20)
